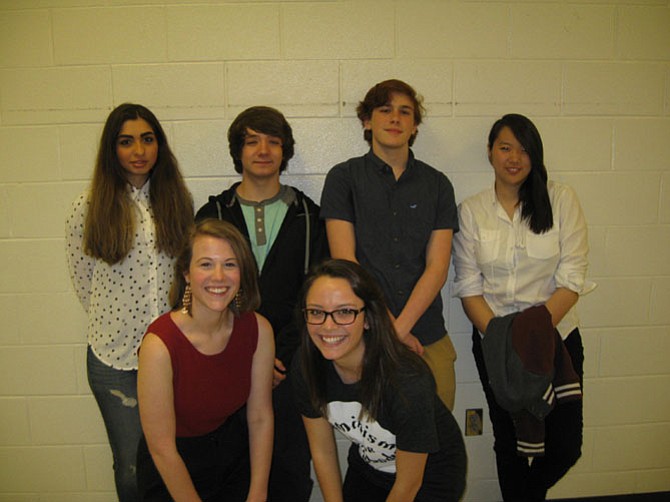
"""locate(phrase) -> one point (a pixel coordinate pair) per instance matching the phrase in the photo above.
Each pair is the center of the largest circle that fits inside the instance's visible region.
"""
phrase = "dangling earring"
(238, 300)
(186, 300)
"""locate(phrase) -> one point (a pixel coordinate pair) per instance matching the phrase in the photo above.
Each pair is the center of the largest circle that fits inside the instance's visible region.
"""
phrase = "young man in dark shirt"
(286, 236)
(396, 216)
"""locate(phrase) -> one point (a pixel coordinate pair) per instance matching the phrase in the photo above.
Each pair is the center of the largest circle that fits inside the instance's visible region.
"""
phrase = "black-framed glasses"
(341, 317)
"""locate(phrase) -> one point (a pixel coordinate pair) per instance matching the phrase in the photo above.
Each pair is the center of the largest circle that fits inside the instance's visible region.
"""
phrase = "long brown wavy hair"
(386, 358)
(110, 221)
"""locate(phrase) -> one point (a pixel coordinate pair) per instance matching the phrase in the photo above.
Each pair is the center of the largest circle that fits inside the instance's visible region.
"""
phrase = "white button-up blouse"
(514, 268)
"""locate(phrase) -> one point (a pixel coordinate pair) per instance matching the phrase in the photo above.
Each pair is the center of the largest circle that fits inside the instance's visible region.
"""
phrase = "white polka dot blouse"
(121, 299)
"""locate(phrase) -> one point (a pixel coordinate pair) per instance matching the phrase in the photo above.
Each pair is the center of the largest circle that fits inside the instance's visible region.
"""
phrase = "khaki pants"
(440, 357)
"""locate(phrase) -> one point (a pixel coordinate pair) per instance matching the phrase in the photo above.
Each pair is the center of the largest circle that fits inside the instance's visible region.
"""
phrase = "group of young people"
(224, 350)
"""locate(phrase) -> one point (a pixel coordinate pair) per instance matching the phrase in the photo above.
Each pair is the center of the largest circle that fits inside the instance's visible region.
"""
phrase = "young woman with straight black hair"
(523, 244)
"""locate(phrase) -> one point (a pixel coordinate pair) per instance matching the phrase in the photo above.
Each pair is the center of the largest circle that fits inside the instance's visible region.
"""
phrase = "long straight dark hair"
(533, 194)
(110, 222)
(384, 355)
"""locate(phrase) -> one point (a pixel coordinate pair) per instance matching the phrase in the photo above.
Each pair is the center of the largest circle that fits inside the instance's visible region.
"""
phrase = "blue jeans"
(116, 394)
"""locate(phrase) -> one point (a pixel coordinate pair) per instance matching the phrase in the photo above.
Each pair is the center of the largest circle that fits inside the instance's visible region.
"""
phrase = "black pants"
(441, 483)
(218, 464)
(290, 479)
(520, 482)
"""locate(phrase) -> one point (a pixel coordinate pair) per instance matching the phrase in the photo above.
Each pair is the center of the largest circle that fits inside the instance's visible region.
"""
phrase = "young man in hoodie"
(286, 237)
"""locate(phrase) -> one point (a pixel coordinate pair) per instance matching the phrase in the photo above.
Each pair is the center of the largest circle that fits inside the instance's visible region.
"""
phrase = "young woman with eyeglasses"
(354, 375)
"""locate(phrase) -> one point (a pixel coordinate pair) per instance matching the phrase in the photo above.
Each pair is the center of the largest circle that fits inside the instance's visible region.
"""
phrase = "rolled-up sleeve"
(574, 242)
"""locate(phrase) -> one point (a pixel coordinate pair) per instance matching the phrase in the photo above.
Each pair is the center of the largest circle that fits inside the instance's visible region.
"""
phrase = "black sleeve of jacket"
(288, 340)
(320, 249)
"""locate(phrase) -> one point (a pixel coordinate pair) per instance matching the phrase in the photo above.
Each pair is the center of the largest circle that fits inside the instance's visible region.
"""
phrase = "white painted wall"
(594, 75)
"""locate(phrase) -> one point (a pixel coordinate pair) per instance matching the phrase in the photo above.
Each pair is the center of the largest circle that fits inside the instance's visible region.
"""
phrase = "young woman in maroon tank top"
(200, 365)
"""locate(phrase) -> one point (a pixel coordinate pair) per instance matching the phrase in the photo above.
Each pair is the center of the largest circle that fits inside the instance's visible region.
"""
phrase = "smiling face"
(261, 155)
(214, 274)
(344, 345)
(510, 160)
(392, 125)
(137, 150)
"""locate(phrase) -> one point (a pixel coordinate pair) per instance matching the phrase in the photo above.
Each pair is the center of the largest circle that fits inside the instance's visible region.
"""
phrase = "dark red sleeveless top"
(208, 388)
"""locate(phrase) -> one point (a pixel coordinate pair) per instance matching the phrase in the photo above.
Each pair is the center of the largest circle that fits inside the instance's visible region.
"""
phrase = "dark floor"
(637, 497)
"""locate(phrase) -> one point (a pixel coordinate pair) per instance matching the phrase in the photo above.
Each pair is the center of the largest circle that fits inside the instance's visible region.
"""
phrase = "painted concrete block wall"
(594, 75)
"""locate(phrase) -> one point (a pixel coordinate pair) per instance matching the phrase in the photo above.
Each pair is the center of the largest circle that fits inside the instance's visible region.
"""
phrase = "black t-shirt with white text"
(412, 419)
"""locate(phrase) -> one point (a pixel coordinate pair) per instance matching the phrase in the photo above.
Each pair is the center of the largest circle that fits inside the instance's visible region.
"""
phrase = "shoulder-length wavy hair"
(533, 193)
(265, 120)
(384, 355)
(249, 298)
(380, 95)
(110, 222)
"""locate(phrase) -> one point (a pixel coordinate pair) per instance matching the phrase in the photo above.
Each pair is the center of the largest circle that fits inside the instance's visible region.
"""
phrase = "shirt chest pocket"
(543, 246)
(486, 247)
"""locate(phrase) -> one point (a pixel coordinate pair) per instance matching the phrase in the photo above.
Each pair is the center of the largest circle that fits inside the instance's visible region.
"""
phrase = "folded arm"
(80, 264)
(429, 285)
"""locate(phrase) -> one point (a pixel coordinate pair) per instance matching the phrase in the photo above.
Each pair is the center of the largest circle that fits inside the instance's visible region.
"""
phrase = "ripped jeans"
(116, 394)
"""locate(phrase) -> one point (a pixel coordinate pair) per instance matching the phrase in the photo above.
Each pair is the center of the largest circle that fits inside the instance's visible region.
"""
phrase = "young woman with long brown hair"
(355, 375)
(201, 367)
(123, 234)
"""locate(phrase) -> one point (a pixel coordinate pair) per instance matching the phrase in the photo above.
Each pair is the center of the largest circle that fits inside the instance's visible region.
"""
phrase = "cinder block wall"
(594, 75)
